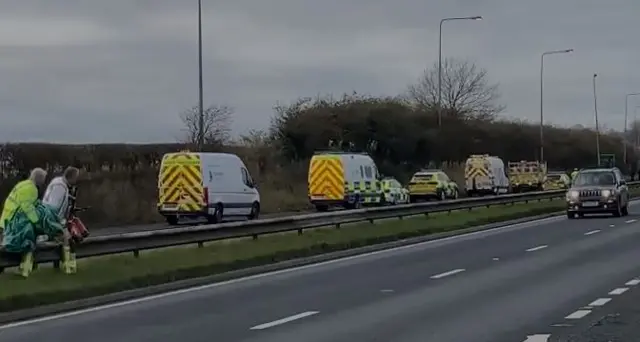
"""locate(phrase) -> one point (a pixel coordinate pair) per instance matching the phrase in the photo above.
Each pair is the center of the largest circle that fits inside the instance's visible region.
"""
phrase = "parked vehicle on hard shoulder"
(343, 179)
(527, 175)
(394, 192)
(556, 180)
(206, 185)
(595, 191)
(485, 175)
(429, 184)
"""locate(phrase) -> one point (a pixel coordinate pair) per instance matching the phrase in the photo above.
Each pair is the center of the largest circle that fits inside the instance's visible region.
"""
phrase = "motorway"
(512, 284)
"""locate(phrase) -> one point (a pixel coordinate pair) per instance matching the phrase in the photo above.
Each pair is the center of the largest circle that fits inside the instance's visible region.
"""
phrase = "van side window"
(367, 172)
(245, 176)
(361, 172)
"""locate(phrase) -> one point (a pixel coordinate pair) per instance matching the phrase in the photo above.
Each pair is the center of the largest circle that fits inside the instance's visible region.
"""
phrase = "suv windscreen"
(595, 178)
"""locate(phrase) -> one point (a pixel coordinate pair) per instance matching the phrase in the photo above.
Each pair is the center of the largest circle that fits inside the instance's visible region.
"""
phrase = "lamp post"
(200, 83)
(440, 62)
(595, 107)
(624, 139)
(635, 127)
(542, 97)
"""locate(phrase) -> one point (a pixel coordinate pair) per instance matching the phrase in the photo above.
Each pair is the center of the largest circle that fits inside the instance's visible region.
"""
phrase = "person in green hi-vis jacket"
(24, 217)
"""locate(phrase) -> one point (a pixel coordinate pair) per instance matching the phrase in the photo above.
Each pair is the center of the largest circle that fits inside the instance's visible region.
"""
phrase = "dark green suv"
(595, 191)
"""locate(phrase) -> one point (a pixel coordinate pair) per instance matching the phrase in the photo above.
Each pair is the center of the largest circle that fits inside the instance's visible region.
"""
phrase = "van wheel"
(442, 196)
(255, 211)
(455, 194)
(625, 210)
(217, 216)
(172, 220)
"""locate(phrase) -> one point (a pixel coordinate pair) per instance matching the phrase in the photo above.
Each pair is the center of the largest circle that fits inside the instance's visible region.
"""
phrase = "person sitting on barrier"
(25, 217)
(60, 197)
(57, 195)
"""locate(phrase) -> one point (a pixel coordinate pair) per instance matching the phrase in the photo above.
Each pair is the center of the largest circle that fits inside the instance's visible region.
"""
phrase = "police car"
(394, 192)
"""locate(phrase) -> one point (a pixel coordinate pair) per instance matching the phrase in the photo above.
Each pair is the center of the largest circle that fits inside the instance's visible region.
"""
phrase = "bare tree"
(466, 90)
(217, 124)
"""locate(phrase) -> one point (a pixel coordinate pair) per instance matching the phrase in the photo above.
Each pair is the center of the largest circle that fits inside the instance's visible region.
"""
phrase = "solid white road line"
(578, 314)
(592, 232)
(633, 282)
(538, 338)
(284, 320)
(630, 221)
(600, 302)
(449, 273)
(619, 291)
(537, 248)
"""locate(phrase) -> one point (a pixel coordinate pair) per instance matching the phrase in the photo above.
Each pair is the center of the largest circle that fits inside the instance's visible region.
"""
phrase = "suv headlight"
(572, 195)
(606, 193)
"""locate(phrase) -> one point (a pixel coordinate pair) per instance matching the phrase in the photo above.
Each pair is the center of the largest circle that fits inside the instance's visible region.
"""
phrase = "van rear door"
(326, 178)
(180, 188)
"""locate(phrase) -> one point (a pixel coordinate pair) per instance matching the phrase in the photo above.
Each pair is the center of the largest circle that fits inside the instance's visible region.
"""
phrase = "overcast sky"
(121, 70)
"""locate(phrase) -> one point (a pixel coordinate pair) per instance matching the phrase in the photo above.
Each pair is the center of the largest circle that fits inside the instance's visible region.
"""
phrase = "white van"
(210, 185)
(485, 175)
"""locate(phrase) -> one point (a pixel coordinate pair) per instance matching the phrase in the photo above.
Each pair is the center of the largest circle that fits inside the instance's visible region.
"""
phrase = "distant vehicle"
(556, 181)
(343, 179)
(527, 175)
(601, 190)
(394, 192)
(485, 175)
(210, 185)
(431, 184)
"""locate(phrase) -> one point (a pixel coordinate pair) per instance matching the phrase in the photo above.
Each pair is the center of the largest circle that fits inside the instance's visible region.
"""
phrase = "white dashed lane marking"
(449, 273)
(632, 282)
(538, 338)
(630, 221)
(284, 320)
(600, 302)
(537, 248)
(619, 291)
(592, 232)
(578, 314)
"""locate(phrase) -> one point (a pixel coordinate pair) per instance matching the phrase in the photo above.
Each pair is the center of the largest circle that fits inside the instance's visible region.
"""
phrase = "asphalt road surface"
(513, 284)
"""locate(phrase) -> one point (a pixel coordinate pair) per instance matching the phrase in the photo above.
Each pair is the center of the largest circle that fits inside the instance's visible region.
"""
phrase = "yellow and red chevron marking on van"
(326, 177)
(180, 181)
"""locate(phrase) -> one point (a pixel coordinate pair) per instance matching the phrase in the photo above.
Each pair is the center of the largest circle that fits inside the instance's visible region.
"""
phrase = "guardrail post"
(136, 253)
(200, 244)
(299, 231)
(337, 225)
(254, 236)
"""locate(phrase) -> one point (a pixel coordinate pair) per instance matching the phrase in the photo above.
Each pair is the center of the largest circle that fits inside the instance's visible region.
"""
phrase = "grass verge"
(108, 274)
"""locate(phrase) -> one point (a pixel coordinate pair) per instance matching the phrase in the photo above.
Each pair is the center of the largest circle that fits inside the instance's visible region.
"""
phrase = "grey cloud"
(106, 71)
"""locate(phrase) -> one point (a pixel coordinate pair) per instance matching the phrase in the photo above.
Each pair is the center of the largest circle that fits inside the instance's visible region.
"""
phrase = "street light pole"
(635, 127)
(624, 137)
(542, 98)
(440, 62)
(200, 83)
(595, 106)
